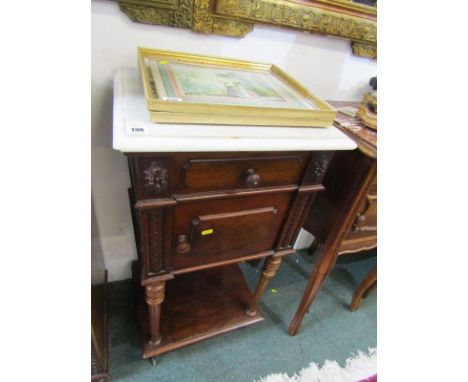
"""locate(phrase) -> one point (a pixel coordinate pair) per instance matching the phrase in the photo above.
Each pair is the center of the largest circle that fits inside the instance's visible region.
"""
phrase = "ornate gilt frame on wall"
(341, 18)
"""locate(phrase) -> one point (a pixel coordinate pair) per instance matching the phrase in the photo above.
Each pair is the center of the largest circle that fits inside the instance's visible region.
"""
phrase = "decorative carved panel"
(303, 15)
(206, 22)
(155, 240)
(342, 18)
(294, 219)
(191, 14)
(175, 13)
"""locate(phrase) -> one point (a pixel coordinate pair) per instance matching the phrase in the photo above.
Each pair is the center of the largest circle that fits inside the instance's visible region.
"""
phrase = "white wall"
(323, 64)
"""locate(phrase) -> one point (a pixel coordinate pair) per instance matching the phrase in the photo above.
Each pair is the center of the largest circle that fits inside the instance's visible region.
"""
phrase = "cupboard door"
(223, 229)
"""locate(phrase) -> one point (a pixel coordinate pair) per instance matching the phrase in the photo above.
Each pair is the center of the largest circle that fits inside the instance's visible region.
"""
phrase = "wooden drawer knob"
(183, 246)
(251, 177)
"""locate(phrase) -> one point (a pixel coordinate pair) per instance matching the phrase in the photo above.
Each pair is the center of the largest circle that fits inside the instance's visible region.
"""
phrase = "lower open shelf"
(198, 306)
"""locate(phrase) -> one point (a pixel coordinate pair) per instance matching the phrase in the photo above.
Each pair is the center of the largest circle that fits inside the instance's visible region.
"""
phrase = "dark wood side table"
(198, 213)
(343, 219)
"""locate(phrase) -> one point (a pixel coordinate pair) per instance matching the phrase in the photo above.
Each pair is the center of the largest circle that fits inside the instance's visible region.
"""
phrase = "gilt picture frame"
(349, 19)
(189, 88)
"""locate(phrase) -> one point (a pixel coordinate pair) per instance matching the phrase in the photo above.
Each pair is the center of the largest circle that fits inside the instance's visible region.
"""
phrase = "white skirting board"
(119, 251)
(304, 239)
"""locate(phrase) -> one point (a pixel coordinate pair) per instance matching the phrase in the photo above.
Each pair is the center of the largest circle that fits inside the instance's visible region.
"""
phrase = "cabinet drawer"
(211, 174)
(217, 230)
(365, 223)
(156, 176)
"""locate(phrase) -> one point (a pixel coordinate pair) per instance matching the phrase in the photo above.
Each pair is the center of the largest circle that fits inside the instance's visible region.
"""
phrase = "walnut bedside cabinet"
(205, 198)
(343, 219)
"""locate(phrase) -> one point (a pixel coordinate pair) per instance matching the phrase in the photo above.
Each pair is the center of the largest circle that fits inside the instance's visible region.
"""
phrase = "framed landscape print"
(187, 88)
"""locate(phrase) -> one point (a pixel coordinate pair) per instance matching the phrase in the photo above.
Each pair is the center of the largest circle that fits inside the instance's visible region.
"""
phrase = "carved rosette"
(155, 177)
(155, 240)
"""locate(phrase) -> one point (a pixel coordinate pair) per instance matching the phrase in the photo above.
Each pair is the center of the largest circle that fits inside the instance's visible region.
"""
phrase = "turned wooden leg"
(154, 296)
(322, 268)
(364, 288)
(269, 270)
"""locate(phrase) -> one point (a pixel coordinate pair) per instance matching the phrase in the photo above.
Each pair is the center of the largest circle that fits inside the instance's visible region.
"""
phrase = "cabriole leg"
(364, 288)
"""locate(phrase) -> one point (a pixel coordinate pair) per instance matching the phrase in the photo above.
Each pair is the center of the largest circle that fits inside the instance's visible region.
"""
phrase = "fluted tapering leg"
(154, 296)
(269, 270)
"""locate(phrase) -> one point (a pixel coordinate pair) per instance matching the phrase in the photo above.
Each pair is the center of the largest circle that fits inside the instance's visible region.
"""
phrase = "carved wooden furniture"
(198, 213)
(343, 219)
(353, 20)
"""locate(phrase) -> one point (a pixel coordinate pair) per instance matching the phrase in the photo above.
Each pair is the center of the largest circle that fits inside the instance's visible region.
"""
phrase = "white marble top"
(134, 131)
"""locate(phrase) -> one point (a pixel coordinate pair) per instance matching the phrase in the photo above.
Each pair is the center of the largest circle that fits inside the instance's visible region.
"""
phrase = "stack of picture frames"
(354, 20)
(188, 88)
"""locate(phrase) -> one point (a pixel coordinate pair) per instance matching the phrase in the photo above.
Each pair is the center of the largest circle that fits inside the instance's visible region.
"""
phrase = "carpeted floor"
(330, 331)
